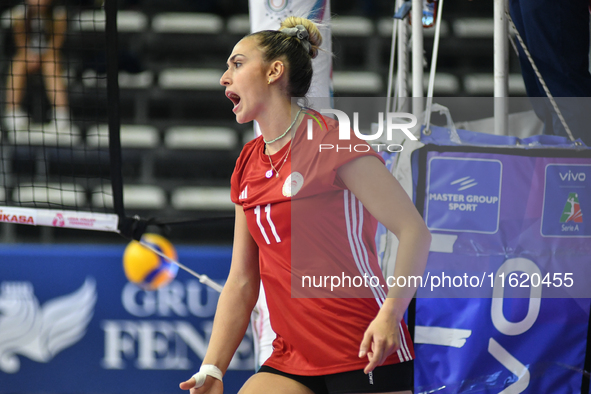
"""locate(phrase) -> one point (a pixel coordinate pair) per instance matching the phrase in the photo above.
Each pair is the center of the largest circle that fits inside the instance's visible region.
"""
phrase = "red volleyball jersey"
(312, 232)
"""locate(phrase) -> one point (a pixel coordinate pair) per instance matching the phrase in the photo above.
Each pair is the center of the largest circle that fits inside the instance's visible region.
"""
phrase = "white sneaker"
(61, 117)
(16, 120)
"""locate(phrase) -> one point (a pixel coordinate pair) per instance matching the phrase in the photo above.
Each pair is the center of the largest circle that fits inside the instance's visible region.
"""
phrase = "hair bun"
(306, 31)
(300, 32)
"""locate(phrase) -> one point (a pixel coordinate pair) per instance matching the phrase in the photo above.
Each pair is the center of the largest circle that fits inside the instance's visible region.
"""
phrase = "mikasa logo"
(12, 218)
(36, 332)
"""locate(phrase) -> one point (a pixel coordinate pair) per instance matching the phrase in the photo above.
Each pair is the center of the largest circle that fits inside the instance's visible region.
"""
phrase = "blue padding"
(441, 136)
(87, 329)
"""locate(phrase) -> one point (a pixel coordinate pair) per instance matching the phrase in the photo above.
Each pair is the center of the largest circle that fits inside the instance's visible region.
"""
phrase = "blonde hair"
(314, 36)
(275, 44)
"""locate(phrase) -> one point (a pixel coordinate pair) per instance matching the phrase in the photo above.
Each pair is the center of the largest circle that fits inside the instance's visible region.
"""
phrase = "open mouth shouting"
(235, 99)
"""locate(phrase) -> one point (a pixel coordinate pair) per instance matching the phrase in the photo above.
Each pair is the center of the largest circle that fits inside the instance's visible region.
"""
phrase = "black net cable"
(112, 49)
(129, 227)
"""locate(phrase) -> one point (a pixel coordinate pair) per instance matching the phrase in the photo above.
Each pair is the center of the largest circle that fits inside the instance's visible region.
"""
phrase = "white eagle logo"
(39, 333)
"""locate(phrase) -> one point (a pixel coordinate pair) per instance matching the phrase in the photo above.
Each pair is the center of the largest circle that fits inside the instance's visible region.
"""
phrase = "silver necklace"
(269, 173)
(286, 131)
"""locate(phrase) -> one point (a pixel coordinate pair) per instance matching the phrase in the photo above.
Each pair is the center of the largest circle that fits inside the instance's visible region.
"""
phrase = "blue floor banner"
(70, 322)
(466, 348)
(505, 301)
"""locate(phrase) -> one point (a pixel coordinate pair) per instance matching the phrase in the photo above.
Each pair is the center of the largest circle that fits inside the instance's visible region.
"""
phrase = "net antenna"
(60, 147)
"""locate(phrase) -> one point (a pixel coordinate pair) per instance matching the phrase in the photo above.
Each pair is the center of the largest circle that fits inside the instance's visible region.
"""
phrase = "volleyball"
(147, 269)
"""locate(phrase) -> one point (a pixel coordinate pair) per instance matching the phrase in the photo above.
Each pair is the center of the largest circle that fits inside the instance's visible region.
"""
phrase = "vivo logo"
(570, 176)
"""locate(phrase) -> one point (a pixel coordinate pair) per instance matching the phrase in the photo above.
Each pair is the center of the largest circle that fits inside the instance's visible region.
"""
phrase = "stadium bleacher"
(178, 134)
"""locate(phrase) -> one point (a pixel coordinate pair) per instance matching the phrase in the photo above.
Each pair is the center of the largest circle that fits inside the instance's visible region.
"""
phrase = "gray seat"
(194, 137)
(64, 194)
(134, 197)
(187, 22)
(132, 136)
(202, 198)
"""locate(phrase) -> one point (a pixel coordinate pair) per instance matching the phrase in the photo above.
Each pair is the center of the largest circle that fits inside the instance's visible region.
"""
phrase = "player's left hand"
(381, 339)
(211, 386)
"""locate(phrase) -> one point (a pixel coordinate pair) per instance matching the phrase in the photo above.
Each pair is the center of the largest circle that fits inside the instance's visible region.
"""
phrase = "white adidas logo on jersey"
(243, 195)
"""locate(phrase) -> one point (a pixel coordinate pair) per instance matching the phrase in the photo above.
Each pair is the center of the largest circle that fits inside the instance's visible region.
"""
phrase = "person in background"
(39, 30)
(556, 34)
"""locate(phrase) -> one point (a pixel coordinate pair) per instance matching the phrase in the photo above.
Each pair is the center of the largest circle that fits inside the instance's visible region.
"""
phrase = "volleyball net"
(60, 156)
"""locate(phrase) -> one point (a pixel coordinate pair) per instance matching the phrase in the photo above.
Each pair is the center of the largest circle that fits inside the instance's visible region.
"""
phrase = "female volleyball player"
(323, 345)
(39, 30)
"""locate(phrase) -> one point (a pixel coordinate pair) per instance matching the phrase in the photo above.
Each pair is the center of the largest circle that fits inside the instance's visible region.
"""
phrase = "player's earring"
(269, 81)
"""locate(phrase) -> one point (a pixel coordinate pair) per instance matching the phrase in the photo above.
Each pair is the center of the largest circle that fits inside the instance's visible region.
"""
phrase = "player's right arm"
(235, 305)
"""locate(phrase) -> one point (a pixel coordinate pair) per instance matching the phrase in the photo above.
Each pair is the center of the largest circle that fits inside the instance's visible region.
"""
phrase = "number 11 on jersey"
(257, 212)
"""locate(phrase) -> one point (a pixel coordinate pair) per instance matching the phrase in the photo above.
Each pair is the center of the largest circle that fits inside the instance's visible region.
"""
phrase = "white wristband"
(204, 371)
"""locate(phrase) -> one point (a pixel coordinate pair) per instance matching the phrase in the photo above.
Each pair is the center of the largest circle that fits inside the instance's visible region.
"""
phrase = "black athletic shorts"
(384, 379)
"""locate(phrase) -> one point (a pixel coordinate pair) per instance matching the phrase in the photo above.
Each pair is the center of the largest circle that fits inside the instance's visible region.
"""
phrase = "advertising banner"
(504, 306)
(500, 212)
(268, 15)
(70, 322)
(476, 345)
